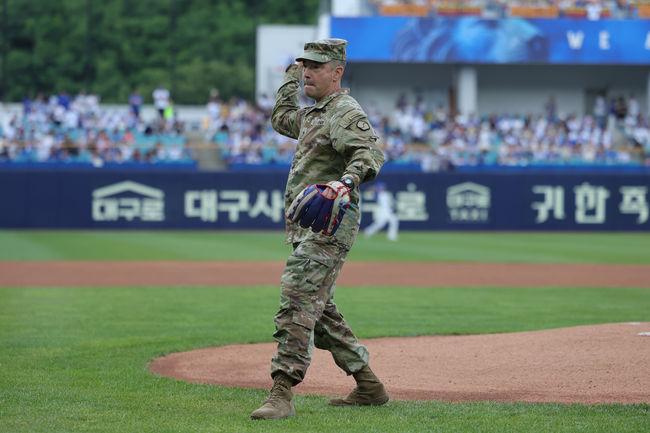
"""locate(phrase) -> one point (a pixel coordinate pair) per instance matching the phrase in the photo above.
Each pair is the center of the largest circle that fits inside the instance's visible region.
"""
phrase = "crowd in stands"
(415, 136)
(243, 132)
(615, 134)
(589, 9)
(79, 130)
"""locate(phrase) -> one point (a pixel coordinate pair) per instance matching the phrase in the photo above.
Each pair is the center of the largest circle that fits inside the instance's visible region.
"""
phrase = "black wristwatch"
(347, 181)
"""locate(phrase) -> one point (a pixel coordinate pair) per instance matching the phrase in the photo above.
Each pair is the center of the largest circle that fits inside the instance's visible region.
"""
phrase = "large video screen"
(509, 40)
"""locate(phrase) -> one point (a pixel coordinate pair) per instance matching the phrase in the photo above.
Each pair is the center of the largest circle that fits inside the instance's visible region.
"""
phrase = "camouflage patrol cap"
(324, 50)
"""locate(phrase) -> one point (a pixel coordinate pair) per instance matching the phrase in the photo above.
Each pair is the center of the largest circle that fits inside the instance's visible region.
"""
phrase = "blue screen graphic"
(509, 40)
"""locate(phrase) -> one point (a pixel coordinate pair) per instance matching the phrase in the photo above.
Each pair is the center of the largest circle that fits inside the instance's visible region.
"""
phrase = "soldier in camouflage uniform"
(335, 143)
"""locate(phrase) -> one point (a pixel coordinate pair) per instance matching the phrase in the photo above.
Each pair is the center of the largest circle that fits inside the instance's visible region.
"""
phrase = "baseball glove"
(321, 210)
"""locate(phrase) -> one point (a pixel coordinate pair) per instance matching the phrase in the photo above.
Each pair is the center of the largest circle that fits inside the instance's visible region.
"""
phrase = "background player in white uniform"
(384, 214)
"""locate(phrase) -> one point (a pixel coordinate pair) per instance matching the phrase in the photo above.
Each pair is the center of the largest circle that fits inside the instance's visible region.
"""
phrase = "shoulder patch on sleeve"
(351, 117)
(363, 125)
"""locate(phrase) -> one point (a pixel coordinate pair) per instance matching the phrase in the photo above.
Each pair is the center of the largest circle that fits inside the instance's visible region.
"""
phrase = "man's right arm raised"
(286, 117)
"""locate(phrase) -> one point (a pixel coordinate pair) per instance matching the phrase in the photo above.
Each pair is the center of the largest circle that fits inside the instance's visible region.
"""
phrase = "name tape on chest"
(317, 121)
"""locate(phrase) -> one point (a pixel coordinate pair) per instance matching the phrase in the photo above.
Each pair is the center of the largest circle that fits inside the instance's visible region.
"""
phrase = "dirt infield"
(587, 364)
(150, 273)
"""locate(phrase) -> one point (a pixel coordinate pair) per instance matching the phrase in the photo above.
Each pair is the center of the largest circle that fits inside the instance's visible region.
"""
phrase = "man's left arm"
(356, 140)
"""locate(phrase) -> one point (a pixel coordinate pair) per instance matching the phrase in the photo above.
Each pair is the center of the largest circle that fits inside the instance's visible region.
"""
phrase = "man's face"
(320, 79)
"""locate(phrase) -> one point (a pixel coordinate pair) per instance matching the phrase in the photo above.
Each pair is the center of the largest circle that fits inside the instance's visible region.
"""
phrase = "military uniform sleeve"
(286, 117)
(356, 140)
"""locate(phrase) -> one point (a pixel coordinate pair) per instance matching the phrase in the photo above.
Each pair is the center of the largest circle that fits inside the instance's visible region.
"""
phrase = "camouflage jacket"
(334, 139)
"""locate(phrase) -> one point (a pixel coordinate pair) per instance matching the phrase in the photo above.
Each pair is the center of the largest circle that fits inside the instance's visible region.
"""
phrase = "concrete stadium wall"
(188, 113)
(380, 84)
(501, 88)
(526, 88)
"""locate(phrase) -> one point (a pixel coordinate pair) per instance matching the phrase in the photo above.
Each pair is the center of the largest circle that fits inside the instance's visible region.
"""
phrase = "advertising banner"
(243, 200)
(503, 41)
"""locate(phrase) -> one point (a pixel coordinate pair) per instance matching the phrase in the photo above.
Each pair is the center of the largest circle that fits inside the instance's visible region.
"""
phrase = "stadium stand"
(79, 132)
(414, 136)
(60, 131)
(586, 9)
(420, 138)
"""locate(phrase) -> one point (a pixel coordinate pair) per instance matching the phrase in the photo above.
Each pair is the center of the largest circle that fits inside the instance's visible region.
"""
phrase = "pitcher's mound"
(584, 364)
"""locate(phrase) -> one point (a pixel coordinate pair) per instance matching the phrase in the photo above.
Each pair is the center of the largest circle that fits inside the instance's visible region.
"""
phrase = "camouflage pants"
(308, 316)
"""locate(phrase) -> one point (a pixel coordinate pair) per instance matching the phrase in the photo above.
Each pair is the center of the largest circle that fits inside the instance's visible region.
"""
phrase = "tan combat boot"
(368, 392)
(279, 404)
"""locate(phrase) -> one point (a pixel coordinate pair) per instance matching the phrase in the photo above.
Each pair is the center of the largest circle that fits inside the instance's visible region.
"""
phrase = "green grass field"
(75, 359)
(630, 248)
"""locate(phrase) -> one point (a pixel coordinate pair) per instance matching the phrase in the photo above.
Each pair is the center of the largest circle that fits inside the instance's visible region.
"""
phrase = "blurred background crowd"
(589, 9)
(79, 130)
(419, 136)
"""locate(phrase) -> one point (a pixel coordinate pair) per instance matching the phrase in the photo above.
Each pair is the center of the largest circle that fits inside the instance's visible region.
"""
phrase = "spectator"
(551, 108)
(27, 105)
(266, 103)
(63, 99)
(600, 110)
(633, 109)
(135, 102)
(620, 108)
(214, 118)
(594, 9)
(214, 106)
(169, 115)
(160, 100)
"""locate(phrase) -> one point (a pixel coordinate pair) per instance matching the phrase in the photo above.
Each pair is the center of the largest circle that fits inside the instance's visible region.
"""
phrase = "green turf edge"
(514, 247)
(75, 359)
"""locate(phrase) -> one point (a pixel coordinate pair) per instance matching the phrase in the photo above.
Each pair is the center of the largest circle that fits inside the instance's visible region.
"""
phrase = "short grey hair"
(336, 63)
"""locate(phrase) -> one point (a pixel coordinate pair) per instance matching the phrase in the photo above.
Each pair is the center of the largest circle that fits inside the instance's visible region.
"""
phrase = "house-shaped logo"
(128, 200)
(468, 202)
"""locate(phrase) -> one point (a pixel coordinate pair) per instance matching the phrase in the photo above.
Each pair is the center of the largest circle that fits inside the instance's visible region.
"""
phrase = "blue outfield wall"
(254, 200)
